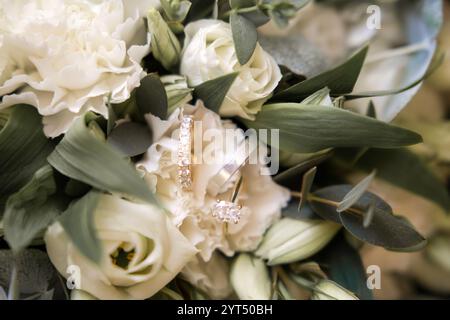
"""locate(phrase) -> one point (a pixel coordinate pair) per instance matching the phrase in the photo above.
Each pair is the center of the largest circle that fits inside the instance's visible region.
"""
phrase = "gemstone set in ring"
(226, 211)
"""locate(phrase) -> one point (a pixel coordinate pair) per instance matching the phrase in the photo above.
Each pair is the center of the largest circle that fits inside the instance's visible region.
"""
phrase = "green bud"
(176, 10)
(178, 92)
(95, 129)
(165, 45)
(250, 278)
(291, 240)
(329, 290)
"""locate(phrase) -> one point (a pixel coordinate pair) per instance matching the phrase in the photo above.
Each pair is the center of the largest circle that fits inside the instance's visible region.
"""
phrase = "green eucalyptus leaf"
(213, 92)
(131, 138)
(307, 181)
(340, 80)
(245, 37)
(295, 53)
(34, 270)
(357, 192)
(151, 97)
(84, 157)
(406, 170)
(311, 128)
(385, 230)
(29, 211)
(78, 222)
(343, 265)
(336, 193)
(200, 9)
(257, 17)
(23, 150)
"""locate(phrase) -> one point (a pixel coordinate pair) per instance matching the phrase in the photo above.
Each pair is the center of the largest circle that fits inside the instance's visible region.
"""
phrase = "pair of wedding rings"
(225, 211)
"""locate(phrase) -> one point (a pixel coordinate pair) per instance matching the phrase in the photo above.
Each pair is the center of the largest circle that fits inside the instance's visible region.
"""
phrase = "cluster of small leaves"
(362, 213)
(247, 15)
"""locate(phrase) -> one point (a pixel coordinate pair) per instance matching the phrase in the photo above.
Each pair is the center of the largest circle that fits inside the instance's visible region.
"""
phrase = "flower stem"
(332, 203)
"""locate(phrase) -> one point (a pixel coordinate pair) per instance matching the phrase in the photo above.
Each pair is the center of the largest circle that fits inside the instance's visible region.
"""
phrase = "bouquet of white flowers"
(175, 149)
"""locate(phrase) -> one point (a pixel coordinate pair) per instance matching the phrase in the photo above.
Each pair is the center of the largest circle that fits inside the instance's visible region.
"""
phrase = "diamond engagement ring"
(228, 211)
(184, 153)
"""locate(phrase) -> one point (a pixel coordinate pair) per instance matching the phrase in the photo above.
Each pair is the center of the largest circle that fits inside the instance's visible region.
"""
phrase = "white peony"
(153, 249)
(66, 57)
(209, 53)
(260, 197)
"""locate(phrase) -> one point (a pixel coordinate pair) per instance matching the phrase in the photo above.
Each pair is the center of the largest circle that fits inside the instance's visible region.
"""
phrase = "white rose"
(209, 53)
(260, 197)
(67, 57)
(153, 249)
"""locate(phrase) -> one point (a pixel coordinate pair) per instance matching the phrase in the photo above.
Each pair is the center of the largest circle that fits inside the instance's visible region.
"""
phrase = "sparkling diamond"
(226, 211)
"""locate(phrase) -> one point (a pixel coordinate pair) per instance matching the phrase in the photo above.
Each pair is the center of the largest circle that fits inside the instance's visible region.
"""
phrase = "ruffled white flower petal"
(67, 57)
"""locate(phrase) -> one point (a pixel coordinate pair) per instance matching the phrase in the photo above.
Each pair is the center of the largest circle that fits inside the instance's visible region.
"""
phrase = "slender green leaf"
(151, 97)
(78, 222)
(357, 192)
(340, 80)
(131, 138)
(372, 94)
(406, 170)
(31, 209)
(84, 157)
(23, 150)
(311, 128)
(307, 181)
(295, 171)
(368, 216)
(245, 37)
(213, 92)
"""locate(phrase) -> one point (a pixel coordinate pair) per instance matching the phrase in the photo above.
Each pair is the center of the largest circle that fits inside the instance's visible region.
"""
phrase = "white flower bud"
(165, 45)
(291, 240)
(250, 278)
(329, 290)
(177, 90)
